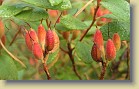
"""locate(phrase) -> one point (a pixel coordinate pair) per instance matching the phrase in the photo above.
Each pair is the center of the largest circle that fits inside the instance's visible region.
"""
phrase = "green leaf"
(11, 10)
(72, 23)
(8, 69)
(52, 59)
(55, 2)
(65, 4)
(61, 27)
(84, 52)
(34, 14)
(119, 8)
(122, 28)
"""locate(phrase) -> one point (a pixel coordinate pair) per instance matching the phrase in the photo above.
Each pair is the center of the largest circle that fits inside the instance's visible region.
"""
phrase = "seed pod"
(49, 40)
(98, 39)
(30, 38)
(75, 34)
(41, 35)
(53, 13)
(92, 10)
(56, 42)
(66, 35)
(96, 53)
(99, 12)
(117, 41)
(1, 29)
(110, 50)
(37, 51)
(34, 36)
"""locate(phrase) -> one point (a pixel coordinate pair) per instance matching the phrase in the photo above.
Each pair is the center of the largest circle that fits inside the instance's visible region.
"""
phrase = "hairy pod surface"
(96, 53)
(37, 51)
(1, 29)
(98, 39)
(117, 41)
(110, 50)
(30, 38)
(49, 40)
(56, 42)
(41, 35)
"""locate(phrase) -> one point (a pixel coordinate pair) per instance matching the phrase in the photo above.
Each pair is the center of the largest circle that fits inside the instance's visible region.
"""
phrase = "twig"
(45, 67)
(103, 70)
(127, 75)
(15, 36)
(12, 55)
(83, 8)
(93, 21)
(72, 60)
(63, 50)
(87, 77)
(58, 19)
(46, 71)
(47, 23)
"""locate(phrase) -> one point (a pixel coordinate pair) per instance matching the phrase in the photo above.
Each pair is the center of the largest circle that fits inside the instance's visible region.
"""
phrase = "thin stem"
(108, 31)
(46, 71)
(63, 50)
(104, 65)
(58, 19)
(15, 36)
(12, 55)
(72, 60)
(93, 21)
(47, 23)
(83, 8)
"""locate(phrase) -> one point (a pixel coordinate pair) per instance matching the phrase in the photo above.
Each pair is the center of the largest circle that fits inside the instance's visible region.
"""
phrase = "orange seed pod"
(41, 36)
(30, 38)
(110, 50)
(96, 53)
(37, 51)
(117, 41)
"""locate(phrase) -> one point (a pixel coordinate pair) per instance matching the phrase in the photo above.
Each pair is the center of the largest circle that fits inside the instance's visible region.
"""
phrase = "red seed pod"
(99, 12)
(1, 29)
(49, 40)
(98, 39)
(117, 41)
(96, 53)
(56, 42)
(110, 50)
(33, 36)
(41, 35)
(30, 38)
(37, 51)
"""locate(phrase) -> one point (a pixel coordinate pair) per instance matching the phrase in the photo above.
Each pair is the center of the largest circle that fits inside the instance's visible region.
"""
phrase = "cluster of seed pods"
(112, 45)
(41, 42)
